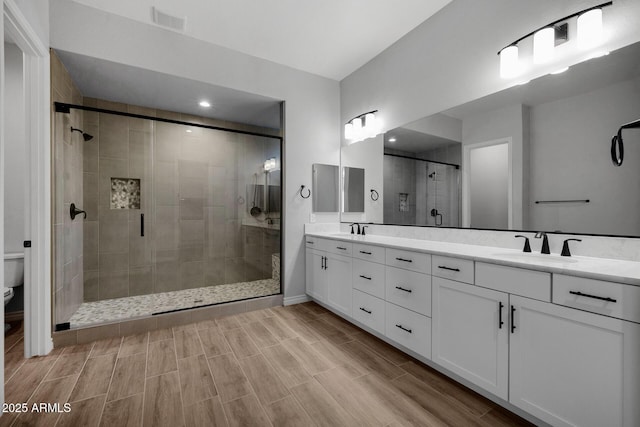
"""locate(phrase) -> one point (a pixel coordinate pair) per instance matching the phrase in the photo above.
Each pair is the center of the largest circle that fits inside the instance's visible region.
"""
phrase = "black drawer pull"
(365, 277)
(513, 323)
(341, 248)
(311, 243)
(403, 289)
(365, 252)
(403, 259)
(580, 294)
(500, 321)
(448, 268)
(403, 328)
(365, 310)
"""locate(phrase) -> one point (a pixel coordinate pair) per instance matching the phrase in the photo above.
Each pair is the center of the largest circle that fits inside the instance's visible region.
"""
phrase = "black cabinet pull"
(403, 289)
(365, 310)
(513, 323)
(403, 259)
(365, 252)
(325, 263)
(341, 248)
(403, 328)
(580, 294)
(365, 277)
(311, 243)
(500, 321)
(448, 268)
(142, 225)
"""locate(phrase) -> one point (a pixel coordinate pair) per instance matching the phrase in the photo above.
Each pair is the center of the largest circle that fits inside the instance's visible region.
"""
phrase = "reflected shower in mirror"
(326, 183)
(558, 169)
(352, 190)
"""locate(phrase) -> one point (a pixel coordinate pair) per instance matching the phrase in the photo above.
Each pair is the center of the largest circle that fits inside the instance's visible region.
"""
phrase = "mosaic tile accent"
(275, 267)
(125, 193)
(146, 305)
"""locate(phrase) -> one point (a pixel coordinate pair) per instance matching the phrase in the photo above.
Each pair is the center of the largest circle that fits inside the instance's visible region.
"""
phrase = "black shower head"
(85, 135)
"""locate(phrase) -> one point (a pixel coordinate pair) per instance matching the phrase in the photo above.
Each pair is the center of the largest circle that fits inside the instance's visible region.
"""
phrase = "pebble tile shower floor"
(144, 305)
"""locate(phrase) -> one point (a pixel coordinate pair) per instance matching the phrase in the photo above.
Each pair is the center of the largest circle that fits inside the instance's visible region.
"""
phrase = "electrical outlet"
(312, 217)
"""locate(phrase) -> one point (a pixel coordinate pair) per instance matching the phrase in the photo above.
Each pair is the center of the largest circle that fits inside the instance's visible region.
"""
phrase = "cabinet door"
(316, 275)
(339, 283)
(572, 368)
(470, 333)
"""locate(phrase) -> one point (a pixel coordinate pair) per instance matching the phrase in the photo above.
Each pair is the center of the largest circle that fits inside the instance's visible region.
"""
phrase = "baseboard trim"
(13, 316)
(298, 299)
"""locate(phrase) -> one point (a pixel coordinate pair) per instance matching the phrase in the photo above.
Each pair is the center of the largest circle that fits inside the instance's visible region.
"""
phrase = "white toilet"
(13, 276)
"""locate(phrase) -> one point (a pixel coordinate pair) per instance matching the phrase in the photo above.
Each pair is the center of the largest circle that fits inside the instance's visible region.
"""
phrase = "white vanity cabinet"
(328, 274)
(470, 333)
(573, 368)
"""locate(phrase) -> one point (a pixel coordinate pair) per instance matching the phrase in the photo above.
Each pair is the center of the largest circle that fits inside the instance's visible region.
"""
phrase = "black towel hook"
(374, 195)
(302, 187)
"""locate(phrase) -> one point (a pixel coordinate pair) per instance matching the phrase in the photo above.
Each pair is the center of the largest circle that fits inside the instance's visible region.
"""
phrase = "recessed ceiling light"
(392, 139)
(205, 104)
(189, 131)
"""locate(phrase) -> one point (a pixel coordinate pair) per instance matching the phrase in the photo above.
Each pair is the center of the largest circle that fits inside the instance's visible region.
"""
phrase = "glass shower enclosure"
(170, 214)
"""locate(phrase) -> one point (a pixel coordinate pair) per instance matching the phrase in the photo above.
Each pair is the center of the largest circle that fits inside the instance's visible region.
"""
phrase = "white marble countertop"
(613, 270)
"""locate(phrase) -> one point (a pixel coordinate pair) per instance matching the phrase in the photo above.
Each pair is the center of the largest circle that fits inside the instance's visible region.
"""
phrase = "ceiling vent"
(165, 20)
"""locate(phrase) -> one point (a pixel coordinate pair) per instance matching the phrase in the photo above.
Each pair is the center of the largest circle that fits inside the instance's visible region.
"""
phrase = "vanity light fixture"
(204, 104)
(589, 35)
(392, 139)
(361, 127)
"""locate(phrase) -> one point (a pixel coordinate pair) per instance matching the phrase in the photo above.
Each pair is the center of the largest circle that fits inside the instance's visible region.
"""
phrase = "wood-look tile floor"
(287, 366)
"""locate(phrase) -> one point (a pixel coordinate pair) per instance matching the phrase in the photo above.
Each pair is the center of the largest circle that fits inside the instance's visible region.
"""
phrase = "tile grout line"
(175, 351)
(146, 369)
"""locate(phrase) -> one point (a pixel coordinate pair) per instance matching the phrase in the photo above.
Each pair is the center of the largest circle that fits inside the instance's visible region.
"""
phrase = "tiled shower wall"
(67, 150)
(195, 181)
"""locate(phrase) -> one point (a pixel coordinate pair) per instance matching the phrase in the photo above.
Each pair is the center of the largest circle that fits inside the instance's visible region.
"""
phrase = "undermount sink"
(531, 257)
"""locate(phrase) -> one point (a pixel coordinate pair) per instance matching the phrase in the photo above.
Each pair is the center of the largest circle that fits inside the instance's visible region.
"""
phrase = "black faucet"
(527, 246)
(355, 223)
(545, 242)
(363, 227)
(565, 247)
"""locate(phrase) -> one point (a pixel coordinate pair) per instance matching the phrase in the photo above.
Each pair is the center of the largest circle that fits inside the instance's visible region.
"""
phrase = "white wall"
(37, 13)
(312, 103)
(570, 160)
(451, 58)
(14, 151)
(508, 122)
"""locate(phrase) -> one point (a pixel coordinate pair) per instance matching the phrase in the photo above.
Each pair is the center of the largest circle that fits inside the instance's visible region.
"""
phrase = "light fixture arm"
(617, 146)
(600, 6)
(362, 115)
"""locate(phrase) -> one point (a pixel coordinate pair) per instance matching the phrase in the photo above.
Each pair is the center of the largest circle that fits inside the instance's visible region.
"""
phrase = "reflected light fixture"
(361, 127)
(270, 164)
(392, 139)
(589, 35)
(205, 104)
(560, 71)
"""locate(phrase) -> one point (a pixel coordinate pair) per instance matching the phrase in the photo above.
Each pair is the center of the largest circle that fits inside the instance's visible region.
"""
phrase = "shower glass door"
(178, 216)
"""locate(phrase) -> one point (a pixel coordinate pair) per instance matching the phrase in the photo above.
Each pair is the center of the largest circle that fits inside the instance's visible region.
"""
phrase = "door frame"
(37, 258)
(466, 178)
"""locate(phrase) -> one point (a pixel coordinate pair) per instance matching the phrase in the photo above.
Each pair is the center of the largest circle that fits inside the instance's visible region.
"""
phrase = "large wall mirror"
(533, 157)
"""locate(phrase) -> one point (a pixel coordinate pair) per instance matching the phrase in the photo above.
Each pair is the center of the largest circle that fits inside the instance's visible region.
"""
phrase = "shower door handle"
(141, 225)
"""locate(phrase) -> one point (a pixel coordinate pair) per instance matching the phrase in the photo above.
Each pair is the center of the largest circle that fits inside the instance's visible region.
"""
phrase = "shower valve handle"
(74, 211)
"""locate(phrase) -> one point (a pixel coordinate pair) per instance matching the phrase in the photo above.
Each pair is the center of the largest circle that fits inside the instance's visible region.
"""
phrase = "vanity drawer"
(517, 281)
(409, 329)
(368, 310)
(409, 260)
(312, 242)
(457, 269)
(338, 247)
(408, 289)
(369, 253)
(608, 298)
(368, 277)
